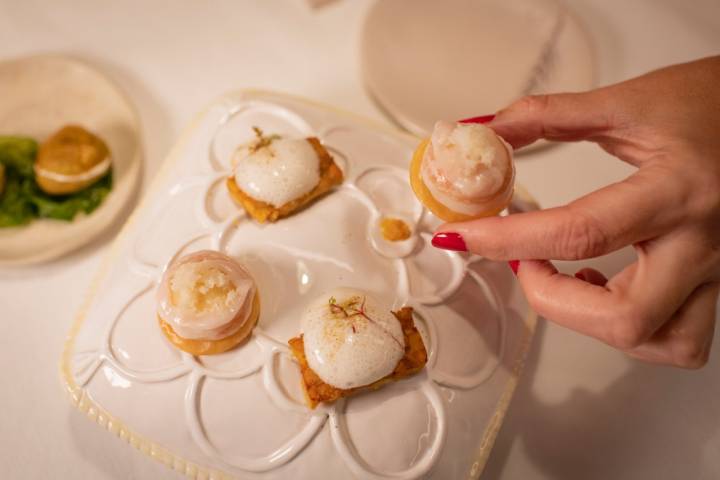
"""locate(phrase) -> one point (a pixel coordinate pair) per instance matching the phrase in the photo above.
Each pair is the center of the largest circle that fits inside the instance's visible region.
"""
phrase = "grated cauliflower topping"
(202, 288)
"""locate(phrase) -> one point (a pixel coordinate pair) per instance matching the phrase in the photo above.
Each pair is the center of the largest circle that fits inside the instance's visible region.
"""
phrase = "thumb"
(561, 117)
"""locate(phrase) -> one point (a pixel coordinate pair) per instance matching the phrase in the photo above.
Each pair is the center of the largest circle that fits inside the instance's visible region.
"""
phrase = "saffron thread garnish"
(262, 140)
(351, 311)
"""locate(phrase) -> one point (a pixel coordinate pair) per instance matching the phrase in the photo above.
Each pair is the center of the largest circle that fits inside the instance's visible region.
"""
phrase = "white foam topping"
(277, 173)
(351, 338)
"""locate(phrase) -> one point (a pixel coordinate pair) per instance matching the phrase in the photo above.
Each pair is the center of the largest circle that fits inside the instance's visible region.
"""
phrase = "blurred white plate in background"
(425, 60)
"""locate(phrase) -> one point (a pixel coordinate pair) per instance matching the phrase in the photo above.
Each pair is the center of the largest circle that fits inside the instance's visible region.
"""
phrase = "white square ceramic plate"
(241, 414)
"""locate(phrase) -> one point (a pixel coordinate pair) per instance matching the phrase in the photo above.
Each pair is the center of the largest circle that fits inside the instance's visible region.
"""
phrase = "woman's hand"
(667, 124)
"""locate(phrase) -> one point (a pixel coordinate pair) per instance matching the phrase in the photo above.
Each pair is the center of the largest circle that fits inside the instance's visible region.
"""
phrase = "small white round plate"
(425, 60)
(40, 94)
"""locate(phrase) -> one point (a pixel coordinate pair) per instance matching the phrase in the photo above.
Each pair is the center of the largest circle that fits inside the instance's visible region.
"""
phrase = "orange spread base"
(212, 347)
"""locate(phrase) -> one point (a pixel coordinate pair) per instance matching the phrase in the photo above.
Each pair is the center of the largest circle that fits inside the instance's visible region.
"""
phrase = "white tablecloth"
(582, 410)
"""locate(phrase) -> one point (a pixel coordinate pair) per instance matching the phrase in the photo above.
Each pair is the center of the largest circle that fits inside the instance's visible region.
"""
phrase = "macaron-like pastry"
(71, 160)
(463, 171)
(207, 303)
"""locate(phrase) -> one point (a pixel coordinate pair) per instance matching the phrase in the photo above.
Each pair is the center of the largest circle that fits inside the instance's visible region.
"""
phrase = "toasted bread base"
(212, 347)
(330, 176)
(415, 358)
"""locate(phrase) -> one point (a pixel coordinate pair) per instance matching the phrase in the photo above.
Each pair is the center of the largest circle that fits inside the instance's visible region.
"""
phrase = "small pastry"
(464, 171)
(71, 160)
(207, 303)
(275, 176)
(351, 341)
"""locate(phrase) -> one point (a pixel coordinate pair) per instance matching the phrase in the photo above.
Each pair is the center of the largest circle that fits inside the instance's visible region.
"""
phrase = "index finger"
(610, 218)
(560, 117)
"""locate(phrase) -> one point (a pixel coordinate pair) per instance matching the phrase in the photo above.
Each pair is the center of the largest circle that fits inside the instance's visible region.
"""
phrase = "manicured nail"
(580, 276)
(514, 265)
(449, 241)
(480, 119)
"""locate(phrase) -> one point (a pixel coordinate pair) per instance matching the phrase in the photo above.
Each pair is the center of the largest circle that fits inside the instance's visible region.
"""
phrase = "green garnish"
(18, 153)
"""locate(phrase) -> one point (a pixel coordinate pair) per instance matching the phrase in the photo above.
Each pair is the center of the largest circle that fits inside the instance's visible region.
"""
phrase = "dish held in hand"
(275, 176)
(207, 303)
(352, 341)
(463, 171)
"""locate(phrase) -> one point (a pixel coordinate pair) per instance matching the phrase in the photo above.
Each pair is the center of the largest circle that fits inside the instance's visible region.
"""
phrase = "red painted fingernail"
(580, 276)
(449, 241)
(480, 119)
(514, 265)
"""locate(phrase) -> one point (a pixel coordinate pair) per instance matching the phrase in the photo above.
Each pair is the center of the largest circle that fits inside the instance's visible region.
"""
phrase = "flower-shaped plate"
(241, 414)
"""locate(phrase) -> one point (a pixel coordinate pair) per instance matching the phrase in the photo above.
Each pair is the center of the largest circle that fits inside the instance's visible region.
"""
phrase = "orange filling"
(415, 358)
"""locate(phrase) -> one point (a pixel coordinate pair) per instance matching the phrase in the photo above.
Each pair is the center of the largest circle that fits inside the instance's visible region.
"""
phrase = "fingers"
(628, 212)
(658, 284)
(592, 276)
(603, 113)
(686, 339)
(568, 301)
(563, 117)
(628, 309)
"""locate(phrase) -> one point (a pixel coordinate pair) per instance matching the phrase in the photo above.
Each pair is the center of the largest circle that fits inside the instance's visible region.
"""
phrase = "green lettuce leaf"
(18, 154)
(15, 206)
(67, 206)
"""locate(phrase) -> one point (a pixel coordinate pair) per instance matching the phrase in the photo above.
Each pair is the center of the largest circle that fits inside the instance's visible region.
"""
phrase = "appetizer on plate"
(71, 160)
(463, 171)
(207, 303)
(70, 173)
(275, 176)
(352, 341)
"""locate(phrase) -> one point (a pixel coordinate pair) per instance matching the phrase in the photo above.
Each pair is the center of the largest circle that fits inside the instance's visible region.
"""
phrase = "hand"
(667, 124)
